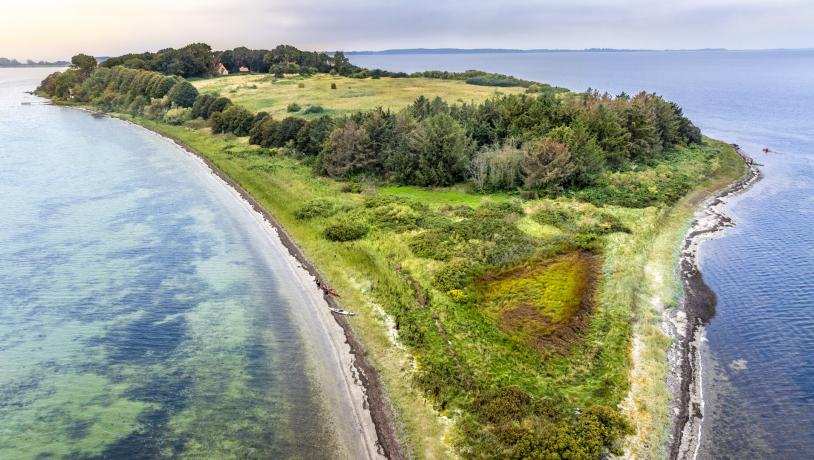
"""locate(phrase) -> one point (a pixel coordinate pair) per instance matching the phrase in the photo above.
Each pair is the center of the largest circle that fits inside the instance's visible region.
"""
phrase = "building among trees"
(220, 69)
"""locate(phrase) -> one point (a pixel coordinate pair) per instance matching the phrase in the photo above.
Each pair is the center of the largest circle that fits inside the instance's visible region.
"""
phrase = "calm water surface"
(144, 312)
(760, 356)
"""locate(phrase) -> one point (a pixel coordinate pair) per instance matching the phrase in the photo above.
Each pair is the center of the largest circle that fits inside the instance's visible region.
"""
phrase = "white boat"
(339, 311)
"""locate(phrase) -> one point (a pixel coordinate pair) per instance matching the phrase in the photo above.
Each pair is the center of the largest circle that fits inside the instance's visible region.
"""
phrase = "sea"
(758, 356)
(146, 311)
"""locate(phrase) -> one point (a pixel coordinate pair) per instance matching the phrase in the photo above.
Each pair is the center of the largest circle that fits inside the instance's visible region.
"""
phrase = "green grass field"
(266, 93)
(479, 323)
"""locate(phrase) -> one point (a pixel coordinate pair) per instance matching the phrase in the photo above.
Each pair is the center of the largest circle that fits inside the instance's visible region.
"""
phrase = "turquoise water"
(759, 358)
(144, 310)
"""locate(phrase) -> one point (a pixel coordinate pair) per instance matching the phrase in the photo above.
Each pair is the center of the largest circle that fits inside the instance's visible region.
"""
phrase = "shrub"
(235, 119)
(293, 107)
(300, 85)
(395, 216)
(347, 151)
(497, 167)
(218, 105)
(547, 164)
(314, 109)
(374, 201)
(431, 244)
(351, 187)
(346, 230)
(333, 85)
(201, 105)
(552, 214)
(196, 124)
(177, 116)
(318, 207)
(183, 94)
(272, 133)
(457, 295)
(453, 275)
(502, 210)
(586, 223)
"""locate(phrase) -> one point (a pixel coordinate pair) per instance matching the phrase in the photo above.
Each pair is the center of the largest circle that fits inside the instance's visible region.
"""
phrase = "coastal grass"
(264, 92)
(466, 329)
(659, 289)
(446, 196)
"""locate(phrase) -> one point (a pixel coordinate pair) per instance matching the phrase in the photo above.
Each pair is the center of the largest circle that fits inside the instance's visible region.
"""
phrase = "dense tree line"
(537, 142)
(285, 59)
(194, 60)
(198, 60)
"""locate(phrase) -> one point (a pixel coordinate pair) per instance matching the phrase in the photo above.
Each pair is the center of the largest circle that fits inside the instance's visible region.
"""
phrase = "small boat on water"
(342, 312)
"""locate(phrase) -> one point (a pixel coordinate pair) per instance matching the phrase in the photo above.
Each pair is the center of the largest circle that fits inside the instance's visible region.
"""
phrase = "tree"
(202, 103)
(83, 64)
(586, 155)
(64, 83)
(183, 94)
(347, 151)
(311, 137)
(196, 59)
(163, 86)
(644, 137)
(235, 119)
(611, 136)
(217, 105)
(547, 164)
(441, 148)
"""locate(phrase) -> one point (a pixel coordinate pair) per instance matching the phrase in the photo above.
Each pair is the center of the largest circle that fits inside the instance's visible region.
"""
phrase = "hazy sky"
(50, 29)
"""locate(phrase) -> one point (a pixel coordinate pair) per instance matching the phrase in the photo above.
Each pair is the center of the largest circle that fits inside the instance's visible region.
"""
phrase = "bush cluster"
(317, 207)
(346, 230)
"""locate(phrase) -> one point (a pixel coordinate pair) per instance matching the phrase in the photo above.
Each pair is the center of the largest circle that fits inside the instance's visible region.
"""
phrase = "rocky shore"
(686, 324)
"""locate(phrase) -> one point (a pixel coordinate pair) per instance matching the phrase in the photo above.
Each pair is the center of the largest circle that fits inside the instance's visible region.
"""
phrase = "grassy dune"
(266, 93)
(507, 327)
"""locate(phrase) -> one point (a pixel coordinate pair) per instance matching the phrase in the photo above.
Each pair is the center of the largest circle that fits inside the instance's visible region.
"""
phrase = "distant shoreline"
(407, 51)
(24, 66)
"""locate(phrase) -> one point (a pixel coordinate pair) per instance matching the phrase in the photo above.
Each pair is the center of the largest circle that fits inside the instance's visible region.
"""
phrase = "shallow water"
(759, 361)
(144, 310)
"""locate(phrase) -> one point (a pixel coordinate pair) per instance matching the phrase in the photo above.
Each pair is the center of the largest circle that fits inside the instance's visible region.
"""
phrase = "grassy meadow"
(264, 92)
(561, 324)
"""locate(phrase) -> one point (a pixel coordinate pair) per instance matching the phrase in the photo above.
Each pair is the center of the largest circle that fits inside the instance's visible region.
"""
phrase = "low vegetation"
(503, 237)
(338, 95)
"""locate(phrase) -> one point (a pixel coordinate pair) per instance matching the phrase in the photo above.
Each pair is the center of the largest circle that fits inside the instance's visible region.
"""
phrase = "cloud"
(56, 29)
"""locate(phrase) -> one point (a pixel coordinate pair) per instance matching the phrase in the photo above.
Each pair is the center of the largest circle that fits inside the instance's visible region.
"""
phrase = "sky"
(57, 29)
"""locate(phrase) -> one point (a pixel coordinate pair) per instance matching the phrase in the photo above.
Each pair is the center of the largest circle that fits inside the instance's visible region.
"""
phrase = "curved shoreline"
(362, 374)
(686, 325)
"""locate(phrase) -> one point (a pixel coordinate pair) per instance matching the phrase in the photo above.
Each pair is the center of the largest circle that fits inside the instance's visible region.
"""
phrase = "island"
(508, 249)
